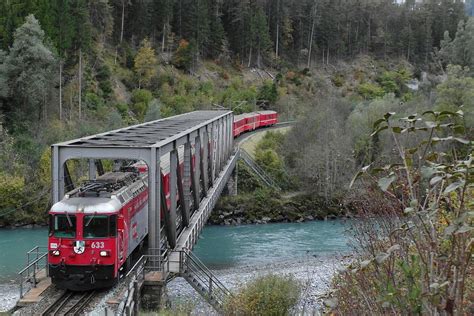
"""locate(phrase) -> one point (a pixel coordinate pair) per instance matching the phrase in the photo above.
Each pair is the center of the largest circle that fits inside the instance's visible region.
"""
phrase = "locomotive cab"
(82, 250)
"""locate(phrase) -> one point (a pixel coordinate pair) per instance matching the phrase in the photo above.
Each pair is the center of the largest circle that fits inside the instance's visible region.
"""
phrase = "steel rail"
(56, 306)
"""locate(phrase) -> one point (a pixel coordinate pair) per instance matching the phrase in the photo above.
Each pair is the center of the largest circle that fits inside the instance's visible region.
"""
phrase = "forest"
(72, 68)
(382, 92)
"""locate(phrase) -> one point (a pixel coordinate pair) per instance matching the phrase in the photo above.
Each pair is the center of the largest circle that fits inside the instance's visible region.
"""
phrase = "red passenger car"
(250, 121)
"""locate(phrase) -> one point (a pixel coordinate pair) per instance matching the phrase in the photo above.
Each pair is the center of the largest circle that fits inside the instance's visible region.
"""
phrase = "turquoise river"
(218, 247)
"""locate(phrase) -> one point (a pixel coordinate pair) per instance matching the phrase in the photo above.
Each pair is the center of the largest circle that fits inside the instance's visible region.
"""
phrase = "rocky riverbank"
(274, 208)
(9, 294)
(314, 274)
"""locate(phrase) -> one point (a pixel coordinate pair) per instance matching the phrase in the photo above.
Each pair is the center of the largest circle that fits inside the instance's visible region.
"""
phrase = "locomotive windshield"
(63, 226)
(99, 226)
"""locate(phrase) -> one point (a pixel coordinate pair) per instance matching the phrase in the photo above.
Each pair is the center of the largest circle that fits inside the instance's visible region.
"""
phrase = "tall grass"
(266, 295)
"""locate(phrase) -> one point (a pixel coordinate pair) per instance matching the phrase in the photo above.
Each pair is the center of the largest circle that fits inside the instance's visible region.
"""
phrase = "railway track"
(69, 303)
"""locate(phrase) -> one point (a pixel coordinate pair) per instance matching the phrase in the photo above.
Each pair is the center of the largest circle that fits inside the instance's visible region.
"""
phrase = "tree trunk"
(259, 56)
(369, 35)
(123, 21)
(163, 40)
(277, 27)
(276, 46)
(250, 57)
(60, 90)
(180, 19)
(45, 114)
(80, 83)
(385, 42)
(327, 57)
(311, 43)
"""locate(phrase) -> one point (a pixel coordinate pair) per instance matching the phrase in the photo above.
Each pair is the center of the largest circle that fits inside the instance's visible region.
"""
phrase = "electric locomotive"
(95, 228)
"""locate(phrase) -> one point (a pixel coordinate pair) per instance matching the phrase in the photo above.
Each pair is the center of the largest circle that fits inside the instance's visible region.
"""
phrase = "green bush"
(266, 295)
(267, 156)
(123, 109)
(93, 101)
(338, 80)
(140, 100)
(103, 76)
(268, 92)
(11, 191)
(183, 57)
(394, 81)
(370, 91)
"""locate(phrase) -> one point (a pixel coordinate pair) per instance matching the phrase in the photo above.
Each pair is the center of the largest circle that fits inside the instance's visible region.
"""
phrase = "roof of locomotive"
(88, 205)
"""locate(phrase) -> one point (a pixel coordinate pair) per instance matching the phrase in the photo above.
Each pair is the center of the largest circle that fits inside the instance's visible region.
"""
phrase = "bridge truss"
(205, 134)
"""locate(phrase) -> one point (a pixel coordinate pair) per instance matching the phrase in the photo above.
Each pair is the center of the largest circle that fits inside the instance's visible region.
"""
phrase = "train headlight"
(55, 252)
(104, 253)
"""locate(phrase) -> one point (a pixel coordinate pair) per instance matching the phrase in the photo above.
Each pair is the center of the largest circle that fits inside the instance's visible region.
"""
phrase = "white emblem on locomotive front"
(79, 246)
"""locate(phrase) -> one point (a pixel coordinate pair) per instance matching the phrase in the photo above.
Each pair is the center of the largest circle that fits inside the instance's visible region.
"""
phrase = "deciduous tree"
(145, 64)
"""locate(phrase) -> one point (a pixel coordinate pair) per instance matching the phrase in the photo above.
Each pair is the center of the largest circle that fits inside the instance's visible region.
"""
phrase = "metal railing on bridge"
(190, 267)
(262, 174)
(37, 260)
(203, 280)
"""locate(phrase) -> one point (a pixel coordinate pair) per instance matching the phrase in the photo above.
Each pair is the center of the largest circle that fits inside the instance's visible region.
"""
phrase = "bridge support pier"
(231, 186)
(152, 297)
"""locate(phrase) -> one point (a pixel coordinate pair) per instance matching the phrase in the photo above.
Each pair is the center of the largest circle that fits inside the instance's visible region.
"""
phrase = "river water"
(226, 246)
(218, 247)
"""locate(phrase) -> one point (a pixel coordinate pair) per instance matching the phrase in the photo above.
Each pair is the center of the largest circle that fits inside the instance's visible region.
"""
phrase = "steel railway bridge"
(197, 150)
(205, 134)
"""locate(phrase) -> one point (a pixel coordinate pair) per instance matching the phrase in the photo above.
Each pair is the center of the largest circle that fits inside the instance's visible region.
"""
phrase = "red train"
(249, 121)
(96, 228)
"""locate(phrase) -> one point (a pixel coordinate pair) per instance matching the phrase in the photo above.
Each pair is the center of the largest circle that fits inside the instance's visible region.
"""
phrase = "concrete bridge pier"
(152, 296)
(231, 186)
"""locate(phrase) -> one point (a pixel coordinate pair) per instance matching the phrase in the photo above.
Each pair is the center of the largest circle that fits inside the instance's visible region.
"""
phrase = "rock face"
(239, 217)
(275, 207)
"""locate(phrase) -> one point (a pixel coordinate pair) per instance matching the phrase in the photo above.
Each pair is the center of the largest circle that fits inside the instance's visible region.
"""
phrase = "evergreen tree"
(183, 57)
(29, 72)
(162, 20)
(217, 38)
(260, 42)
(202, 30)
(460, 50)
